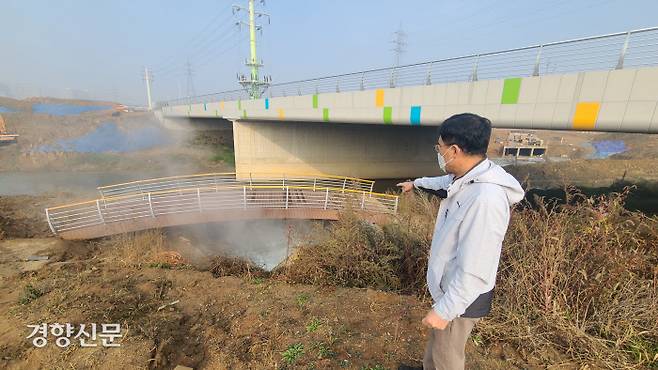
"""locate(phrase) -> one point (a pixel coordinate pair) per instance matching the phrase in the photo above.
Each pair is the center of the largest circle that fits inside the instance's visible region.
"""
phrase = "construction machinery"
(6, 138)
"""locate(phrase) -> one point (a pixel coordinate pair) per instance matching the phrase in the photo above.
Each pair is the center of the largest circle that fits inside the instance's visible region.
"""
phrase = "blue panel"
(414, 116)
(267, 103)
(205, 108)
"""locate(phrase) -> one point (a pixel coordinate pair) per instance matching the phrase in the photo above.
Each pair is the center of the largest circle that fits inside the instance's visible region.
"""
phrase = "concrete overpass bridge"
(217, 197)
(378, 123)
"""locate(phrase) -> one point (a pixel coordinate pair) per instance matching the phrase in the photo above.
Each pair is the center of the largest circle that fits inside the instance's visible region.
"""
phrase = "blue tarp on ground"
(606, 148)
(66, 109)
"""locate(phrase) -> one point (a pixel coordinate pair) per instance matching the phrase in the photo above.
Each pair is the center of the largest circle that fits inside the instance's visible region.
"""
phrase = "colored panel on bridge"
(244, 114)
(205, 107)
(282, 114)
(221, 105)
(585, 116)
(325, 114)
(379, 98)
(388, 115)
(414, 115)
(315, 100)
(239, 104)
(511, 89)
(267, 103)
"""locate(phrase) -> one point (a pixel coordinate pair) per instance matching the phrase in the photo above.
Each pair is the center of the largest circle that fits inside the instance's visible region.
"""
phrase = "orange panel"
(585, 116)
(379, 97)
(281, 114)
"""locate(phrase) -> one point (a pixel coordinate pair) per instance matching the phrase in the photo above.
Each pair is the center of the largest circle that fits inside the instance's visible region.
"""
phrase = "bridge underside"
(179, 219)
(350, 149)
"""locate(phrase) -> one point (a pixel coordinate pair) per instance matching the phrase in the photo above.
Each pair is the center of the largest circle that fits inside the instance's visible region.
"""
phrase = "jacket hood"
(489, 172)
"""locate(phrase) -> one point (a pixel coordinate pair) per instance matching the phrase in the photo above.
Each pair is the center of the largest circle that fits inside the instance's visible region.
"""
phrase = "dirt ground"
(587, 172)
(24, 217)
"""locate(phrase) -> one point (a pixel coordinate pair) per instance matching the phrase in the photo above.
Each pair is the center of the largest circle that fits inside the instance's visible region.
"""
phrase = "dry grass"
(235, 266)
(351, 253)
(578, 283)
(582, 279)
(139, 248)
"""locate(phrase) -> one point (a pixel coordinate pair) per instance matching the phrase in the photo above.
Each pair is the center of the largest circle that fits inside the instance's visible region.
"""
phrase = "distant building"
(524, 144)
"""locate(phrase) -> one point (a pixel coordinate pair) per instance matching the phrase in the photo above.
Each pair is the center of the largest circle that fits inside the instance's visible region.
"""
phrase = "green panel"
(244, 114)
(325, 114)
(239, 104)
(388, 115)
(315, 100)
(511, 90)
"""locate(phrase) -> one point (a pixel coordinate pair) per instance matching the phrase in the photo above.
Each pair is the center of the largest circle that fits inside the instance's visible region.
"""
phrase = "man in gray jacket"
(468, 235)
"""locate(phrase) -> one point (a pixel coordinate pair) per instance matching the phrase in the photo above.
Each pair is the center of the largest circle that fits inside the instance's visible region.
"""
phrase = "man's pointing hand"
(406, 186)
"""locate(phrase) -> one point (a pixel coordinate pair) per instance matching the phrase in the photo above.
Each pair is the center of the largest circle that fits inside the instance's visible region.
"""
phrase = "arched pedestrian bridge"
(217, 197)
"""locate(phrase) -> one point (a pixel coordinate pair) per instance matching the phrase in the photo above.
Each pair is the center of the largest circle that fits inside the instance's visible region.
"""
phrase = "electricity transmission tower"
(190, 80)
(254, 85)
(399, 42)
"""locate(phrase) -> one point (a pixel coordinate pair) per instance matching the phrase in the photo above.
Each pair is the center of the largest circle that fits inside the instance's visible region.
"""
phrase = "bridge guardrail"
(227, 178)
(204, 199)
(635, 48)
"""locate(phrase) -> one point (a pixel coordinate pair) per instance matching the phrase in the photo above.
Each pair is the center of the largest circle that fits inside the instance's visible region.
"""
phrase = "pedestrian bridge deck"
(217, 197)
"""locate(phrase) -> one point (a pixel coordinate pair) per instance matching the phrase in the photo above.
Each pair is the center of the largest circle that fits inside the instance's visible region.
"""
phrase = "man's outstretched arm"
(433, 183)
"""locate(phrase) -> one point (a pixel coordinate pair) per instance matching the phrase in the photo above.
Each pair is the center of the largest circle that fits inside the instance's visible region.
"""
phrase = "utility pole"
(190, 81)
(399, 47)
(147, 79)
(254, 85)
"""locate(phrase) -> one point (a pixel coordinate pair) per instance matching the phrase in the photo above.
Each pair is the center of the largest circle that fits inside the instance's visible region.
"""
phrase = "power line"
(201, 49)
(506, 18)
(191, 42)
(210, 58)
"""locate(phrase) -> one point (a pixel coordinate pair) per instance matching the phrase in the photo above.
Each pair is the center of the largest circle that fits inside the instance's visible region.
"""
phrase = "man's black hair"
(468, 131)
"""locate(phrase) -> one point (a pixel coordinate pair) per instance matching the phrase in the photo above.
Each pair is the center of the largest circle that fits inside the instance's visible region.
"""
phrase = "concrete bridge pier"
(357, 150)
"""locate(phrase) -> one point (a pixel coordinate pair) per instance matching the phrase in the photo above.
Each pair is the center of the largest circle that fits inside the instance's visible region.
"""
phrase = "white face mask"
(442, 161)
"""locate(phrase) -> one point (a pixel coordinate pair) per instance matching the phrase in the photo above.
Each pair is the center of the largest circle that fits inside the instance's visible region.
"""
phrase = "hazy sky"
(100, 47)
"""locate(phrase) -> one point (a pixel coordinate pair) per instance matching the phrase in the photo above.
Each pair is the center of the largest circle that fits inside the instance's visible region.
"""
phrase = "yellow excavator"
(6, 138)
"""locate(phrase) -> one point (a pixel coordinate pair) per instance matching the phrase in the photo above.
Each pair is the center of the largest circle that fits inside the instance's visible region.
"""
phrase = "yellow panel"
(379, 97)
(281, 114)
(221, 105)
(585, 116)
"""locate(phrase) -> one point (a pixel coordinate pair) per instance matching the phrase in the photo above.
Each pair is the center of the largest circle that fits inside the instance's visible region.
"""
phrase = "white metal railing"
(129, 207)
(634, 48)
(221, 179)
